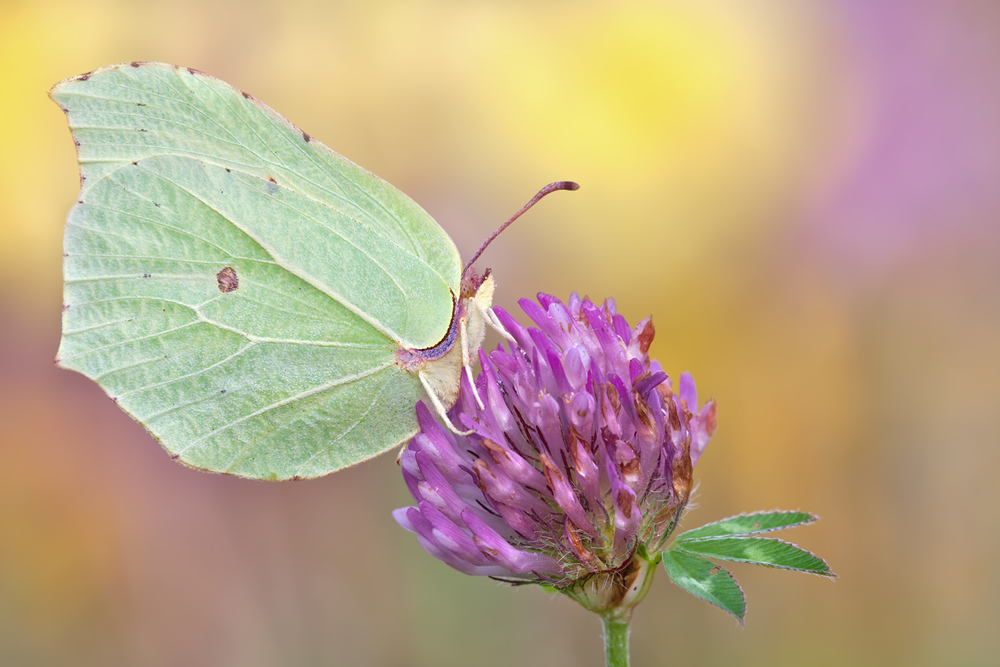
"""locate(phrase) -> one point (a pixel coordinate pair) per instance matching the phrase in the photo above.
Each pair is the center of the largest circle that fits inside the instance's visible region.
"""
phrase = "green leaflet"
(747, 524)
(759, 551)
(707, 581)
(731, 539)
(236, 286)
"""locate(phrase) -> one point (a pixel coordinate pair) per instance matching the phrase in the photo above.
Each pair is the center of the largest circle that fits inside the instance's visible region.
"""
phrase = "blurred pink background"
(805, 195)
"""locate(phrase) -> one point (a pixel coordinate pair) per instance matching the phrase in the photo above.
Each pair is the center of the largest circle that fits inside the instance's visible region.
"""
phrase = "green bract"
(237, 287)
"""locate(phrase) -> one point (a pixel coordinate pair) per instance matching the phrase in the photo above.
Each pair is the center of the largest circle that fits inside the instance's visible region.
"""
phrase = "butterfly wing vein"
(237, 287)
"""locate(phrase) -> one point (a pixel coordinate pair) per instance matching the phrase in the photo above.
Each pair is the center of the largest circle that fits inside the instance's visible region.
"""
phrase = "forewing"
(221, 308)
(127, 113)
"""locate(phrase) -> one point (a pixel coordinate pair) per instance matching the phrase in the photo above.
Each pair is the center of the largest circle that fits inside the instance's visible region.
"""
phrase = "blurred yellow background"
(805, 195)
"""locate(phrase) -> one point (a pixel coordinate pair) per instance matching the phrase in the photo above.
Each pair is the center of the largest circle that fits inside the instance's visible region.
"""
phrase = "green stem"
(616, 640)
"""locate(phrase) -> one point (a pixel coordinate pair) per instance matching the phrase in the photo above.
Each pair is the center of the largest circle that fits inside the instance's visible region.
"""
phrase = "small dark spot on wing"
(228, 280)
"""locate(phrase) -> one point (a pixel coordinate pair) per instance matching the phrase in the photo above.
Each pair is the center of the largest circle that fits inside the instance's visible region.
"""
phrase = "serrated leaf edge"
(743, 595)
(680, 547)
(813, 518)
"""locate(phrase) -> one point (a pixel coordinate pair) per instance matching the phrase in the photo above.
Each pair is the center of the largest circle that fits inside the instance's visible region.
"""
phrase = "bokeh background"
(805, 195)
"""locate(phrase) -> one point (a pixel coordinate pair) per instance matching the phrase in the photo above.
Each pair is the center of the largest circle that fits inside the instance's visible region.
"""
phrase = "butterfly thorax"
(442, 363)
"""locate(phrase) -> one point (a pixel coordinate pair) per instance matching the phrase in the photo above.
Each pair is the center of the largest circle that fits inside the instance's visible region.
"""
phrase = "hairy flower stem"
(616, 629)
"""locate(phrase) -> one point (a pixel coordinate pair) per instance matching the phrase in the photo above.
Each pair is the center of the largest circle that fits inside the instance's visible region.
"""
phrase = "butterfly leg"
(467, 361)
(490, 318)
(495, 322)
(442, 412)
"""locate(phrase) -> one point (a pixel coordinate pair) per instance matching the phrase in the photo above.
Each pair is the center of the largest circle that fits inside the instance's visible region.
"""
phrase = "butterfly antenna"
(548, 189)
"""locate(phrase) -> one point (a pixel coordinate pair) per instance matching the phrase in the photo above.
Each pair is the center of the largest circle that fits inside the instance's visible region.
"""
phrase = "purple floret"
(583, 451)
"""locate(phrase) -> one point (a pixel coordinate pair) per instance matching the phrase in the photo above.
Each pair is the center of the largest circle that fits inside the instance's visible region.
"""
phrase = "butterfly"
(261, 305)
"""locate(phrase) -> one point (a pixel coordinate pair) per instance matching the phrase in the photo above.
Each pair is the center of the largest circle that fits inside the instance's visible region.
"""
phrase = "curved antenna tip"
(548, 189)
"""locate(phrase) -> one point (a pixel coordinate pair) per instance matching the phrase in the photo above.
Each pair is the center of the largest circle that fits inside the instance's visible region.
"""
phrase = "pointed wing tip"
(65, 82)
(80, 78)
(62, 363)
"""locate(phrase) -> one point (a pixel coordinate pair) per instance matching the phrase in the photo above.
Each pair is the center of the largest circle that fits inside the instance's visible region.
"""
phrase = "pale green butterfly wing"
(237, 287)
(123, 113)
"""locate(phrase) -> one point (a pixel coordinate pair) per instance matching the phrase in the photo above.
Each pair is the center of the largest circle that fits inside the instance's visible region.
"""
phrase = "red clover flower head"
(581, 457)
